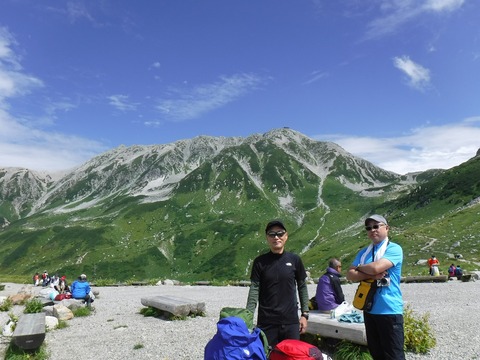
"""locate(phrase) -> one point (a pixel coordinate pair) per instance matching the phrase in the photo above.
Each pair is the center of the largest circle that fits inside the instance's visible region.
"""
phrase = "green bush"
(6, 305)
(349, 351)
(62, 324)
(15, 353)
(419, 336)
(33, 306)
(82, 311)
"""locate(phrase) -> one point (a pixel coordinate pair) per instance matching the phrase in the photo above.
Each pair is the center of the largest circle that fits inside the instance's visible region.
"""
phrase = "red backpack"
(291, 349)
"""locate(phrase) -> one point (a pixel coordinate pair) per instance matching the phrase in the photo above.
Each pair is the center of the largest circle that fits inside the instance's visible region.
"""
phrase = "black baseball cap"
(275, 223)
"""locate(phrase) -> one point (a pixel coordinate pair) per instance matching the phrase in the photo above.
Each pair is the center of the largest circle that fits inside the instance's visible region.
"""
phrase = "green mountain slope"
(196, 210)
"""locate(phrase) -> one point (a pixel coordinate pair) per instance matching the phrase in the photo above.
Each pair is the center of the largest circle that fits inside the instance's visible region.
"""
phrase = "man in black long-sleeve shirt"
(276, 277)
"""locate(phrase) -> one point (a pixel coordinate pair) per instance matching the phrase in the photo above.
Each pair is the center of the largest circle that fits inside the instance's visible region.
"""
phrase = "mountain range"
(196, 209)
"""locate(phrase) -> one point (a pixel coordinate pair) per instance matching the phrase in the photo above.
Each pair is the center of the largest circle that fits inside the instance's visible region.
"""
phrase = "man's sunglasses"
(273, 234)
(374, 227)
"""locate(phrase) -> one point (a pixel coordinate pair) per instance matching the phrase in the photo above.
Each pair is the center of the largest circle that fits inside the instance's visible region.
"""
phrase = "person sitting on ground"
(63, 286)
(451, 271)
(55, 282)
(45, 278)
(36, 279)
(433, 264)
(458, 272)
(329, 291)
(81, 289)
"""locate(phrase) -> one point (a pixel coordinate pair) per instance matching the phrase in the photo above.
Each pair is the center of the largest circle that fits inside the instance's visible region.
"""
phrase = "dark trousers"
(385, 336)
(276, 333)
(87, 298)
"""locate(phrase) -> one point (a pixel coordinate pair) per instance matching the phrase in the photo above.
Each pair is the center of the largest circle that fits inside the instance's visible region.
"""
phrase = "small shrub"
(419, 336)
(350, 351)
(62, 324)
(6, 305)
(150, 311)
(33, 306)
(82, 311)
(137, 346)
(15, 353)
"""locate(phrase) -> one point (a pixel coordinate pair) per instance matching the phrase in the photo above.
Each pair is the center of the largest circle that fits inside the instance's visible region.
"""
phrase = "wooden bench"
(175, 305)
(321, 324)
(30, 331)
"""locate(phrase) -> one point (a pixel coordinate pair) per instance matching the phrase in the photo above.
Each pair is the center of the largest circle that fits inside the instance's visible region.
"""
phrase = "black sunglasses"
(272, 234)
(374, 227)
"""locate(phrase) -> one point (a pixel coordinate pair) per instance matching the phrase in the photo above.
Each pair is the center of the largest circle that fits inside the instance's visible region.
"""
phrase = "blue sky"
(396, 82)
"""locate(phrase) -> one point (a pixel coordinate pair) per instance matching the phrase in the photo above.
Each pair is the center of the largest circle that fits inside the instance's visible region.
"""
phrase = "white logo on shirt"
(288, 264)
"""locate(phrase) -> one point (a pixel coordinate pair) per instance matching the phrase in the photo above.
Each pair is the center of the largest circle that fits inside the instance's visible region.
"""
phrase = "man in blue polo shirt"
(382, 260)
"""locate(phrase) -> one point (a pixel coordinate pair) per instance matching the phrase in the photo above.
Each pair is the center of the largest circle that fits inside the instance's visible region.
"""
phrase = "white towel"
(378, 255)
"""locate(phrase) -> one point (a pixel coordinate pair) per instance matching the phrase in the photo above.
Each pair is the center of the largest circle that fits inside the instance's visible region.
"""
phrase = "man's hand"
(303, 325)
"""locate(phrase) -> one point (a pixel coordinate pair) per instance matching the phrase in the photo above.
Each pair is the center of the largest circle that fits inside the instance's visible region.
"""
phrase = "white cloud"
(397, 13)
(12, 81)
(443, 5)
(424, 148)
(77, 11)
(22, 144)
(194, 102)
(120, 102)
(418, 76)
(315, 76)
(27, 147)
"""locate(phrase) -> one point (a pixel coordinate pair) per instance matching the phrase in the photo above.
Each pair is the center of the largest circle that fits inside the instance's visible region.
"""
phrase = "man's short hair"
(334, 263)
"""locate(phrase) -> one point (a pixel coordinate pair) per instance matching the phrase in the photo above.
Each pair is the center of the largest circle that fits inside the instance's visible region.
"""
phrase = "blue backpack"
(234, 341)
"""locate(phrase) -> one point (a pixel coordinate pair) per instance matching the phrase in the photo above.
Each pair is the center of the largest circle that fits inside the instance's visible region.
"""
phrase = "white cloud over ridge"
(192, 103)
(424, 148)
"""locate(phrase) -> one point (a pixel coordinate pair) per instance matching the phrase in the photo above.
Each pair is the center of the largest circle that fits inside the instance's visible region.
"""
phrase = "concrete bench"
(427, 278)
(175, 305)
(30, 331)
(321, 324)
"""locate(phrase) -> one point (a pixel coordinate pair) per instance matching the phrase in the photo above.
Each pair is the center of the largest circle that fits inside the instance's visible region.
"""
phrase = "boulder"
(51, 322)
(62, 312)
(19, 298)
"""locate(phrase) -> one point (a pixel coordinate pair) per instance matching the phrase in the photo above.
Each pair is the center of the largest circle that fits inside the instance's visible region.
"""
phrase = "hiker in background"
(451, 271)
(329, 292)
(459, 272)
(45, 278)
(36, 279)
(81, 289)
(382, 261)
(54, 282)
(275, 279)
(433, 265)
(63, 286)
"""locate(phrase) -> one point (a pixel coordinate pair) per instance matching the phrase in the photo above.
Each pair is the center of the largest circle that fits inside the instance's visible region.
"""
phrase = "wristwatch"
(305, 315)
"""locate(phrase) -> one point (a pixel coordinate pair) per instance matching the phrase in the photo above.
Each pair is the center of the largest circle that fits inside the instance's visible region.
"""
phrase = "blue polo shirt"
(388, 299)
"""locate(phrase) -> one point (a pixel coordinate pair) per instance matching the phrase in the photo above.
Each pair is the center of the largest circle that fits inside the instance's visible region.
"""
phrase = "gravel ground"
(116, 327)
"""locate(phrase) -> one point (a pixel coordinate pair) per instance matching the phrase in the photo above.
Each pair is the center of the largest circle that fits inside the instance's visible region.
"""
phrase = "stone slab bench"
(427, 278)
(30, 331)
(321, 324)
(175, 305)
